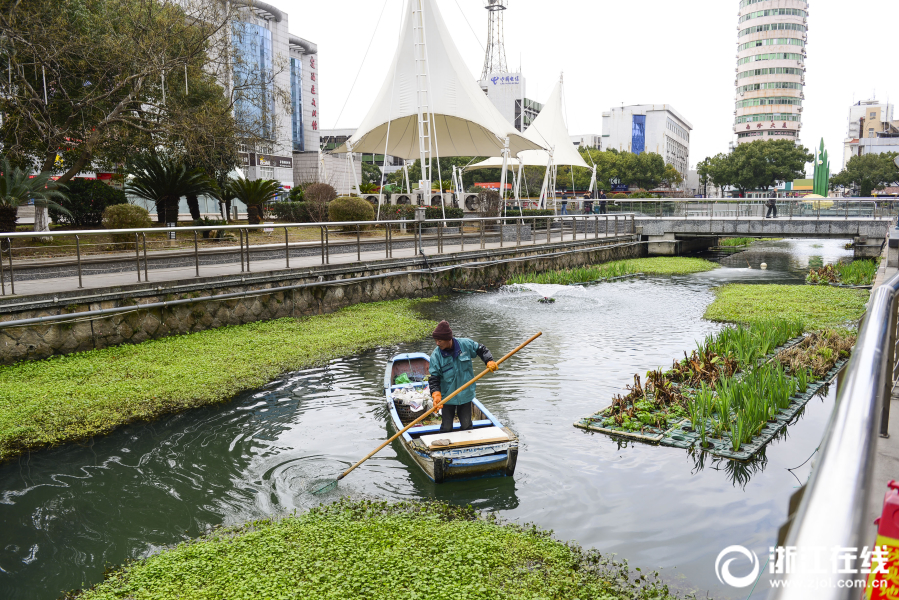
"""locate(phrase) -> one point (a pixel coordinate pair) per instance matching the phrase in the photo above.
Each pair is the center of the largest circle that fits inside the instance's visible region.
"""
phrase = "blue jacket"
(451, 370)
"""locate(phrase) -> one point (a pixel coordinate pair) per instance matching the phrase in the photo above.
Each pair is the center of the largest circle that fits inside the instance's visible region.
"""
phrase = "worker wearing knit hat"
(451, 368)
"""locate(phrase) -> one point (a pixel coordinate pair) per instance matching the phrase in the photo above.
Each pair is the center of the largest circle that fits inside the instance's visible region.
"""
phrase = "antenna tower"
(495, 60)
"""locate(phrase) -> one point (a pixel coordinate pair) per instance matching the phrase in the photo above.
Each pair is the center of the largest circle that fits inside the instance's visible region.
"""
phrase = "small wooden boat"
(488, 450)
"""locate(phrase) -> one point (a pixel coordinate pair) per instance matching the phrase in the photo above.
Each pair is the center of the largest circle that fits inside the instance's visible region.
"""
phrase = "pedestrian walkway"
(93, 281)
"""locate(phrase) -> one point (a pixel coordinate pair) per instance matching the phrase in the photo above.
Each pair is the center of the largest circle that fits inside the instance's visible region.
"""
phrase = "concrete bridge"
(674, 226)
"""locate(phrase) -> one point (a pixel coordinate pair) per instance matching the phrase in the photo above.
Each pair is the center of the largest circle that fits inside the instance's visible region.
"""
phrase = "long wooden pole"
(436, 407)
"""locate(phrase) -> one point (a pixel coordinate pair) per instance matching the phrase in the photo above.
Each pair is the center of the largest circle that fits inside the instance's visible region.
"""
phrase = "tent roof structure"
(548, 130)
(465, 122)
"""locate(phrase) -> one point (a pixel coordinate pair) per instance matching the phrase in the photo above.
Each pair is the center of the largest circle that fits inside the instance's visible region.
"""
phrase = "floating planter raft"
(489, 450)
(725, 399)
(684, 436)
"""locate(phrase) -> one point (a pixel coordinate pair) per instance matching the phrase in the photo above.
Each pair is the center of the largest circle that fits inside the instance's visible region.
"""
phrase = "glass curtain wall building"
(769, 100)
(253, 71)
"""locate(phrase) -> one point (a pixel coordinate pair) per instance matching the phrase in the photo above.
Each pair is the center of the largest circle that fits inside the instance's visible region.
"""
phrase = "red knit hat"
(443, 332)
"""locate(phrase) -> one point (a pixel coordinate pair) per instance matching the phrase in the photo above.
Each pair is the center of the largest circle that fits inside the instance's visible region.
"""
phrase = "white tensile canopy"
(548, 130)
(465, 122)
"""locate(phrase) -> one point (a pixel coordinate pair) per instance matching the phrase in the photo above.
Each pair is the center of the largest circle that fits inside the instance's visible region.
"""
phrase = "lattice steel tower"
(495, 60)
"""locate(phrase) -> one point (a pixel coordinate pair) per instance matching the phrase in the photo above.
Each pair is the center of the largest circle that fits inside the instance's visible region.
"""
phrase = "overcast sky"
(612, 53)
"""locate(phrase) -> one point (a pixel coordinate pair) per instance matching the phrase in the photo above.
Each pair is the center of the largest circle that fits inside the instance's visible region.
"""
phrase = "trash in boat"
(546, 300)
(405, 378)
(415, 399)
(764, 266)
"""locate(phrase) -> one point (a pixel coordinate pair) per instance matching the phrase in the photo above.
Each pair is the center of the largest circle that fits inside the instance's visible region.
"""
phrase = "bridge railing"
(744, 208)
(23, 249)
(831, 514)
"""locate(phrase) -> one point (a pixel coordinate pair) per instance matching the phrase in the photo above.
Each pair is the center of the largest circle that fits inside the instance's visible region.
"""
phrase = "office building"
(771, 41)
(872, 130)
(269, 57)
(649, 128)
(587, 140)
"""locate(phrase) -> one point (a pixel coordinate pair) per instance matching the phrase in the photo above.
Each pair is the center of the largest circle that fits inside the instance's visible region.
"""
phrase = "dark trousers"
(449, 414)
(772, 208)
(602, 208)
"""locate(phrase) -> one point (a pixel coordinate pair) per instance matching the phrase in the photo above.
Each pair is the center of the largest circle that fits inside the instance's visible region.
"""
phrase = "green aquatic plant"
(736, 434)
(661, 265)
(816, 307)
(723, 410)
(371, 550)
(802, 380)
(74, 397)
(858, 272)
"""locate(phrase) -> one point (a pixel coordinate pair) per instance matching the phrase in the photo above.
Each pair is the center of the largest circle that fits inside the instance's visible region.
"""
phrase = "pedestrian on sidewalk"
(602, 202)
(772, 208)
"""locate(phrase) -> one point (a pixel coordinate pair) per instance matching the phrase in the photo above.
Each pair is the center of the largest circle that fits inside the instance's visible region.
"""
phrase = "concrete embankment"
(139, 312)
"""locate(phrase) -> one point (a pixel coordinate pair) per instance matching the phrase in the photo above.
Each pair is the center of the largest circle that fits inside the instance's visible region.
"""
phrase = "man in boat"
(451, 368)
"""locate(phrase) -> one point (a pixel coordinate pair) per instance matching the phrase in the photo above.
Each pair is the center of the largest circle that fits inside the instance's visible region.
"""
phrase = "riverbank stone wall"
(387, 280)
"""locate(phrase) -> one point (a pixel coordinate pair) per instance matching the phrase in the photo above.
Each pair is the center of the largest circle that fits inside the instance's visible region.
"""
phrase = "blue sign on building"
(638, 136)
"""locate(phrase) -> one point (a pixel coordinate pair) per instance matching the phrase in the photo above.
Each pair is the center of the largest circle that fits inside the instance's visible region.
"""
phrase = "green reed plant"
(661, 265)
(802, 377)
(736, 434)
(858, 272)
(722, 408)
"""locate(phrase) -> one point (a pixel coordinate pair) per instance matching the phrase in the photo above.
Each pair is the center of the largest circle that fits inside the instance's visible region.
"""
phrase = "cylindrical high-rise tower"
(770, 78)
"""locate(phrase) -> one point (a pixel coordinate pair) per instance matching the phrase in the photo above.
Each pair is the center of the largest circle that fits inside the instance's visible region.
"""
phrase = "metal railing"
(743, 208)
(831, 514)
(442, 233)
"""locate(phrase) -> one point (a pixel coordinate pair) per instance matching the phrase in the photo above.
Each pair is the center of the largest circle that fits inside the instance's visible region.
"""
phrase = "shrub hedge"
(350, 208)
(125, 216)
(291, 212)
(86, 199)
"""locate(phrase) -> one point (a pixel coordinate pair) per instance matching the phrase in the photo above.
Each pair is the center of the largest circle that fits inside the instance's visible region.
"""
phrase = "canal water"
(70, 512)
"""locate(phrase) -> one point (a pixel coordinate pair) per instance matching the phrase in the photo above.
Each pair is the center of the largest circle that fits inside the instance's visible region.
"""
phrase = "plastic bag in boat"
(415, 399)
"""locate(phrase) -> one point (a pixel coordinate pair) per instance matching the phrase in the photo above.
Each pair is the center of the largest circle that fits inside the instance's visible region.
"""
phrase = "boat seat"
(429, 429)
(461, 439)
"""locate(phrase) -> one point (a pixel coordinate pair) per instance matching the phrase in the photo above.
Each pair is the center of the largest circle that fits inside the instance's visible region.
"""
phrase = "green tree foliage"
(371, 173)
(868, 173)
(163, 180)
(121, 76)
(85, 201)
(758, 165)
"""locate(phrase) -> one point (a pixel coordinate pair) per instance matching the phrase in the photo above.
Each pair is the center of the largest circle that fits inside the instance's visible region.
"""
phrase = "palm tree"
(225, 195)
(254, 194)
(163, 180)
(17, 187)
